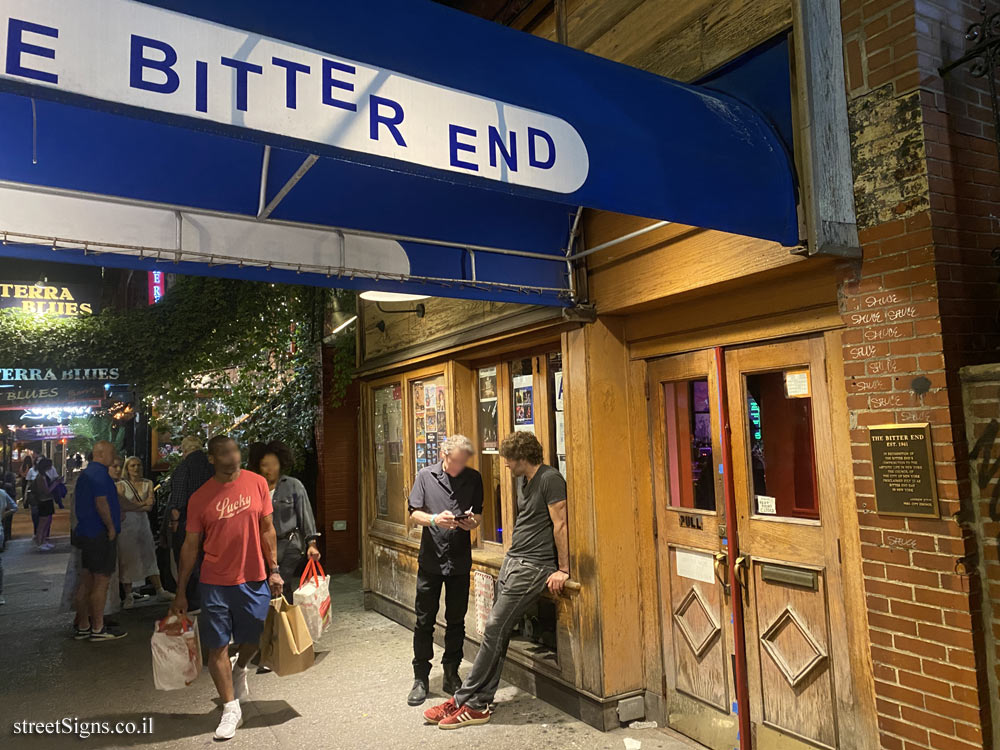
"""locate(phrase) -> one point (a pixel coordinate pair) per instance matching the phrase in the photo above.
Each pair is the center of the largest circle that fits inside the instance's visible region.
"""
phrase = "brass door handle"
(742, 566)
(721, 564)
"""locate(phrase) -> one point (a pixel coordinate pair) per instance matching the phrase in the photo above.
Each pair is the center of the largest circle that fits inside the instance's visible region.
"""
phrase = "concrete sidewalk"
(352, 699)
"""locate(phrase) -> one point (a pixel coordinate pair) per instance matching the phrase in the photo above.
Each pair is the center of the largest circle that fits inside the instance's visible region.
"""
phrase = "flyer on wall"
(524, 414)
(488, 384)
(488, 424)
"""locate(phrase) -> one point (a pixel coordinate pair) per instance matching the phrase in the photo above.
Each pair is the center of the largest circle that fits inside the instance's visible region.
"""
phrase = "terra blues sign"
(142, 56)
(61, 300)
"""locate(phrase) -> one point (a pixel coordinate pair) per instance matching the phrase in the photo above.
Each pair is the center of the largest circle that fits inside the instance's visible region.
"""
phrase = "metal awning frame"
(173, 254)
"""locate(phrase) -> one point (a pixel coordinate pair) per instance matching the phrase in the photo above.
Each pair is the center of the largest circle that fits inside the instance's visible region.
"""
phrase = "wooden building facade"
(723, 371)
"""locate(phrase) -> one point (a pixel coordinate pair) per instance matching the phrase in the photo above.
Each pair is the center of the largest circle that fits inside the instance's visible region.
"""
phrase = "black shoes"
(452, 679)
(418, 694)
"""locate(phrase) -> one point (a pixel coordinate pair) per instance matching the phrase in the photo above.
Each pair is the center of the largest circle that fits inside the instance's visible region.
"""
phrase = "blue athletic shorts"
(236, 612)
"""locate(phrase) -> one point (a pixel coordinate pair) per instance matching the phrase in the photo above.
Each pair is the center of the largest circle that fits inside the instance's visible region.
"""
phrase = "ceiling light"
(376, 296)
(343, 325)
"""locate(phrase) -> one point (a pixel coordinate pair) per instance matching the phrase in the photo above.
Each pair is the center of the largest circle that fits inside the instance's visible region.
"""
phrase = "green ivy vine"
(214, 355)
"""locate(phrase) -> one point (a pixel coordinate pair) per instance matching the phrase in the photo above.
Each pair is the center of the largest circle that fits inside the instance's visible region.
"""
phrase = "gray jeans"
(520, 583)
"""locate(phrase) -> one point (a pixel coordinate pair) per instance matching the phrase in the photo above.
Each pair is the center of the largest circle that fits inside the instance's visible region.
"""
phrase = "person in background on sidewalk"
(239, 574)
(447, 500)
(98, 522)
(27, 464)
(189, 475)
(294, 523)
(136, 551)
(56, 484)
(538, 558)
(42, 488)
(7, 509)
(10, 487)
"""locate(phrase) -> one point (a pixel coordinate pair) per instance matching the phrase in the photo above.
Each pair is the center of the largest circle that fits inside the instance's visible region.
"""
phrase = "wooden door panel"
(699, 664)
(787, 518)
(689, 508)
(791, 629)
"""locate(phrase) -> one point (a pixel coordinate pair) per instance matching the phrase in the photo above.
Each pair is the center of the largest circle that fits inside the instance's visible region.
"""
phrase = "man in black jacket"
(447, 500)
(191, 473)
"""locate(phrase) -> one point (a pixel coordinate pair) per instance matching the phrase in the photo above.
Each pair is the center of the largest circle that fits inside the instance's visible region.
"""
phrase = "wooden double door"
(754, 422)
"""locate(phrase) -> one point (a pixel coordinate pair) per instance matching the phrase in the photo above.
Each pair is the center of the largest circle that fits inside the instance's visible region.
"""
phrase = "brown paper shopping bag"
(285, 645)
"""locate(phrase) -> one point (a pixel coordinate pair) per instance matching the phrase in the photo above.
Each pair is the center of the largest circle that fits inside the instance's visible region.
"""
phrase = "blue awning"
(396, 144)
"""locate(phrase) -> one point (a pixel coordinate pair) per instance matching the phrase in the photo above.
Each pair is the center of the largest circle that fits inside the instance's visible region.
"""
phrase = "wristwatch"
(275, 569)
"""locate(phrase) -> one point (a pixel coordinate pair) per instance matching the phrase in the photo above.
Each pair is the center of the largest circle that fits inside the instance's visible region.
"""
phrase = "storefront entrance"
(770, 402)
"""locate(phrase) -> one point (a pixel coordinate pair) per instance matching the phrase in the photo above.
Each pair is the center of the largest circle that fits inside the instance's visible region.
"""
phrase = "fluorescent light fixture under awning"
(373, 295)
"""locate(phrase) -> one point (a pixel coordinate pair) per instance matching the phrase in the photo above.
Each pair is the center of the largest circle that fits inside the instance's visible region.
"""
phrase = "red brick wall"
(925, 190)
(338, 498)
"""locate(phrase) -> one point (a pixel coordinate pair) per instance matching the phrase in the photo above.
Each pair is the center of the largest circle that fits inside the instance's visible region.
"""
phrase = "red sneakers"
(439, 713)
(464, 717)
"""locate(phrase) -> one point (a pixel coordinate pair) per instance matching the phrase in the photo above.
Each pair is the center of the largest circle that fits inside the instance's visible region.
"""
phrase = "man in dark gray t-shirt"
(538, 558)
(533, 540)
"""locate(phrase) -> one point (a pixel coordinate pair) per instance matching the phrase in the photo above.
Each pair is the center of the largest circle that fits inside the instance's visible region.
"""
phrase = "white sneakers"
(232, 717)
(232, 714)
(241, 690)
(165, 596)
(129, 602)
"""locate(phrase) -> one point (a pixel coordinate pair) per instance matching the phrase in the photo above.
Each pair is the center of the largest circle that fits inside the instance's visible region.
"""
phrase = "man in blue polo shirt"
(98, 522)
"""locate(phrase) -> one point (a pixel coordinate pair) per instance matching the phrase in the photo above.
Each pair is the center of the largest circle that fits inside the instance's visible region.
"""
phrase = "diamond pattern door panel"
(699, 656)
(795, 652)
(696, 622)
(796, 675)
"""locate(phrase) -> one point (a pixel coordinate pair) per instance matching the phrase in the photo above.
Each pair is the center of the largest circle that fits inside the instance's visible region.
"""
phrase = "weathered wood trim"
(858, 707)
(673, 260)
(482, 343)
(529, 316)
(823, 136)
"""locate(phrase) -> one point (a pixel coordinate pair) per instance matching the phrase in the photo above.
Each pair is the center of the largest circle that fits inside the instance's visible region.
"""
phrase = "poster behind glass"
(388, 429)
(430, 420)
(488, 420)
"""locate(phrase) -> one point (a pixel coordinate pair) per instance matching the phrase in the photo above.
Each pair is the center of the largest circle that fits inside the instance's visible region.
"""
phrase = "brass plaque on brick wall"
(904, 469)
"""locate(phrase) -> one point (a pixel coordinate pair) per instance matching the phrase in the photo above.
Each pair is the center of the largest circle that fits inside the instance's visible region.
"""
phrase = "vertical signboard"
(157, 286)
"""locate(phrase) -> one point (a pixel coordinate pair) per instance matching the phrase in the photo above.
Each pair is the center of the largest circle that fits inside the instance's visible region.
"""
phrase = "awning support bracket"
(306, 165)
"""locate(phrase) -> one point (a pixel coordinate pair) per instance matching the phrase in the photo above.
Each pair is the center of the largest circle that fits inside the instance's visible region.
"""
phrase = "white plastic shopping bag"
(176, 653)
(313, 596)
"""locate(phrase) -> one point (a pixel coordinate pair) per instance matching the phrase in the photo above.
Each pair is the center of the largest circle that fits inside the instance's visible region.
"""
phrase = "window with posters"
(430, 420)
(387, 422)
(522, 401)
(556, 413)
(489, 450)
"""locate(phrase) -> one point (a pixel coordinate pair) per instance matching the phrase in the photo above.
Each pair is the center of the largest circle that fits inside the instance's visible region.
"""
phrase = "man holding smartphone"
(447, 500)
(538, 559)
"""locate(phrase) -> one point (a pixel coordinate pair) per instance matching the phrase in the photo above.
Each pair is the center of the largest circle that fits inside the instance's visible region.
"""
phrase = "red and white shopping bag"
(313, 596)
(176, 653)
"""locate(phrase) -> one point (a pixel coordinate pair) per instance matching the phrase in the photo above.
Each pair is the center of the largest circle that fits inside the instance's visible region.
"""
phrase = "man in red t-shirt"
(230, 518)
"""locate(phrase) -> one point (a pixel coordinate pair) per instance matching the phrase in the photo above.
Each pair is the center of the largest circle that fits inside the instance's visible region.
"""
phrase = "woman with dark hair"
(294, 522)
(255, 452)
(44, 500)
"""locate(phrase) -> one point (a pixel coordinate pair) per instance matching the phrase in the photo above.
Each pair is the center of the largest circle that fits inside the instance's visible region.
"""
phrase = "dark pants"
(518, 586)
(456, 603)
(193, 593)
(291, 564)
(8, 523)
